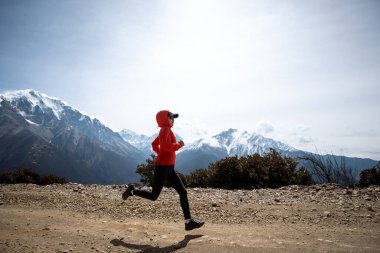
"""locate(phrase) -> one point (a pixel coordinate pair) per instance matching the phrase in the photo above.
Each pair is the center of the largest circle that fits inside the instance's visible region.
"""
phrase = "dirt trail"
(26, 225)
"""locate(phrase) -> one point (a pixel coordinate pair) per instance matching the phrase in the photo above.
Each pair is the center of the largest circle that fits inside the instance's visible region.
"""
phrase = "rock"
(370, 208)
(348, 192)
(327, 214)
(214, 205)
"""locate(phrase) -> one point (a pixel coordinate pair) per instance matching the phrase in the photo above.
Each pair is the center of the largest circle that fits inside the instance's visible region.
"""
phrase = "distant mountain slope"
(233, 142)
(50, 136)
(227, 143)
(202, 152)
(141, 141)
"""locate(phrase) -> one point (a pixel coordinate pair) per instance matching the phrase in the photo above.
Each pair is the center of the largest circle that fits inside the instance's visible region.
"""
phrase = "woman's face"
(171, 121)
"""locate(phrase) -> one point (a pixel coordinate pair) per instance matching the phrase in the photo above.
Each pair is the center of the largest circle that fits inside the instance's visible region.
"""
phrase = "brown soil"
(93, 218)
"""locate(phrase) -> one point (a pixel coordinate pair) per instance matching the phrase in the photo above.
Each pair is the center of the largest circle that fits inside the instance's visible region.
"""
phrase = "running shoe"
(192, 224)
(128, 192)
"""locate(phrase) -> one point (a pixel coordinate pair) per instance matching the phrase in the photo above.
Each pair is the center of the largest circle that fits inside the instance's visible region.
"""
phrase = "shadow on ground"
(146, 248)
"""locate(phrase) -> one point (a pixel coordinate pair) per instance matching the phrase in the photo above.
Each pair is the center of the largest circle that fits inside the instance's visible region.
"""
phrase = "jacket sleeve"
(166, 143)
(155, 145)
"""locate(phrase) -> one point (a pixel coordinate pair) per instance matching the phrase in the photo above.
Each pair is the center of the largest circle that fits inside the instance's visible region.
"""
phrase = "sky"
(306, 73)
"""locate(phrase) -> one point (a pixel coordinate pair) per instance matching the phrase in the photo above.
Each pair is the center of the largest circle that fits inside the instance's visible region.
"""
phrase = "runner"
(165, 145)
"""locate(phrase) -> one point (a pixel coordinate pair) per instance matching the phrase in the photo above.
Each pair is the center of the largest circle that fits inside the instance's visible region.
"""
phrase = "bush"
(146, 171)
(198, 178)
(254, 171)
(51, 179)
(370, 176)
(327, 169)
(225, 173)
(271, 170)
(27, 176)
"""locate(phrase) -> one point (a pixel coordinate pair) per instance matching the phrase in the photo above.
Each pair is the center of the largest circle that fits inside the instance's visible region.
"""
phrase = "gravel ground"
(325, 213)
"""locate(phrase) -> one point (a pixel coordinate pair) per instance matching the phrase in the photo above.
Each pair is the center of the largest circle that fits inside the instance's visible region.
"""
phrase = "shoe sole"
(188, 229)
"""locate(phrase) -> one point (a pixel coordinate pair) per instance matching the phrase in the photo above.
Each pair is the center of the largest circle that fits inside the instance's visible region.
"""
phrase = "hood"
(162, 118)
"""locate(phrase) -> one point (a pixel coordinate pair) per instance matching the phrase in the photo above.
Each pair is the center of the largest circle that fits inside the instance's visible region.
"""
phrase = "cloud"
(264, 127)
(354, 132)
(191, 130)
(300, 134)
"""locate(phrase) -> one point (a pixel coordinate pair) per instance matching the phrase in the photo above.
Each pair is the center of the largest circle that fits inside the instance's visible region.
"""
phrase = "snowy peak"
(30, 102)
(232, 138)
(53, 118)
(140, 141)
(132, 137)
(234, 142)
(40, 109)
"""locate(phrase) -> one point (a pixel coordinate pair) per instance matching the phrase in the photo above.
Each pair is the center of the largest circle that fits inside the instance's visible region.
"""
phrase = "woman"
(165, 145)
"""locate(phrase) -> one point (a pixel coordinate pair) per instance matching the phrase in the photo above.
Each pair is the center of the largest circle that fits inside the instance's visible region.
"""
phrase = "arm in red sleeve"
(166, 141)
(155, 145)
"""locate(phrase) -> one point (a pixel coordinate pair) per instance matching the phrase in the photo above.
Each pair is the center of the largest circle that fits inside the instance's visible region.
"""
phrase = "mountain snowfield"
(140, 141)
(231, 142)
(48, 134)
(37, 101)
(239, 143)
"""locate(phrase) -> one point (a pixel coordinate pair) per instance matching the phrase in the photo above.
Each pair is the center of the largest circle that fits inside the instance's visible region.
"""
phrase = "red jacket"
(165, 144)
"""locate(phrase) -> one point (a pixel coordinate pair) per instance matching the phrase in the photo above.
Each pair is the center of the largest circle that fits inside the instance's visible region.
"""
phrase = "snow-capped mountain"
(50, 136)
(46, 112)
(238, 143)
(200, 153)
(31, 120)
(140, 141)
(233, 142)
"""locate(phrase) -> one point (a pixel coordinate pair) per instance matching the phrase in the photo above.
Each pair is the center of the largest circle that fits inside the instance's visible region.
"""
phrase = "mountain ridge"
(83, 143)
(233, 142)
(35, 127)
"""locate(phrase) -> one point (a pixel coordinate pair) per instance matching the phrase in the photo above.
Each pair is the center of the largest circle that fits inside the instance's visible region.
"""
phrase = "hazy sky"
(303, 72)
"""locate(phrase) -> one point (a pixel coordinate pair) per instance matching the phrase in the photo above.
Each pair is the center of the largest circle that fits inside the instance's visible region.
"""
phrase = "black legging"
(162, 172)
